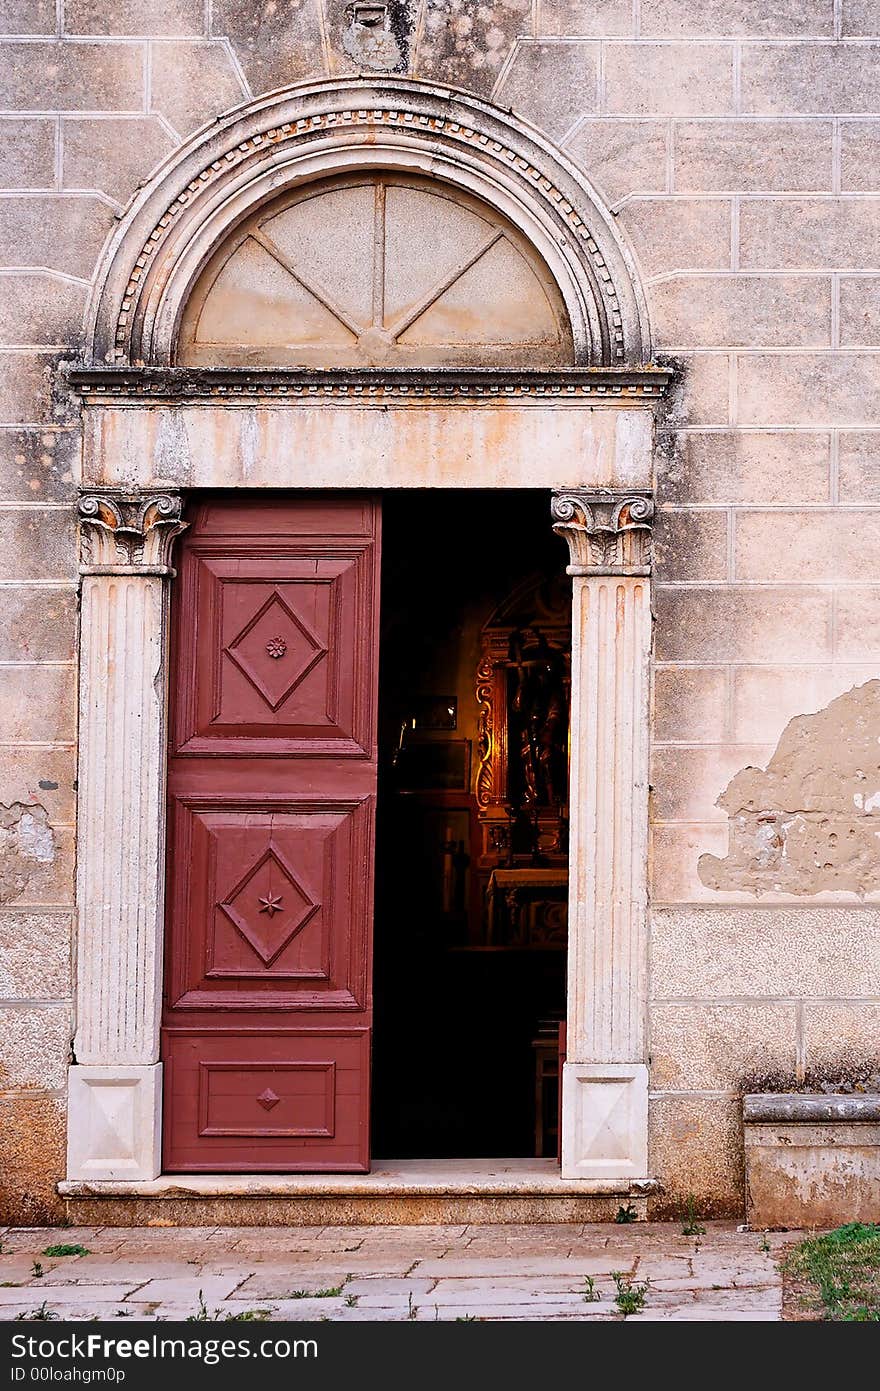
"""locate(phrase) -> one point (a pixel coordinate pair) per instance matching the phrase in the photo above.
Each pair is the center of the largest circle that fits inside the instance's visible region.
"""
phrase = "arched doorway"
(486, 374)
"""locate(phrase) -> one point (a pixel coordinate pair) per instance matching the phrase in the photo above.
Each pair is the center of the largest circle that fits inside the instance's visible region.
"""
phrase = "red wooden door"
(271, 793)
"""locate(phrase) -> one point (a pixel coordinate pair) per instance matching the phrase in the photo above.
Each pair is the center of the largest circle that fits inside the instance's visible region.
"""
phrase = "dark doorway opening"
(471, 881)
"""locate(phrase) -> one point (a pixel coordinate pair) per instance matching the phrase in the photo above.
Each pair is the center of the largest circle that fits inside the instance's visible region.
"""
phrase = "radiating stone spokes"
(608, 533)
(125, 532)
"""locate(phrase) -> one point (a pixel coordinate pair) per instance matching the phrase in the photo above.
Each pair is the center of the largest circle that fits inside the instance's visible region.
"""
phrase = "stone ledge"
(404, 1178)
(810, 1108)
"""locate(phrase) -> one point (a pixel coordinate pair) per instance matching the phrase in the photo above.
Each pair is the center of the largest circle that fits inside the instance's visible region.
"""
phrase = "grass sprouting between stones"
(841, 1272)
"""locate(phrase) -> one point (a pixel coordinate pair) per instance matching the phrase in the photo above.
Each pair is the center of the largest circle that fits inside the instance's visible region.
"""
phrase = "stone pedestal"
(605, 1078)
(115, 1086)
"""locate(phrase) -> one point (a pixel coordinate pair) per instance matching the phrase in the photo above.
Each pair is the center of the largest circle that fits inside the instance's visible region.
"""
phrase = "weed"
(351, 1300)
(67, 1250)
(124, 1313)
(630, 1297)
(765, 1244)
(626, 1214)
(42, 1313)
(330, 1293)
(249, 1315)
(690, 1224)
(9, 1284)
(841, 1271)
(203, 1316)
(412, 1309)
(37, 1270)
(465, 1318)
(590, 1295)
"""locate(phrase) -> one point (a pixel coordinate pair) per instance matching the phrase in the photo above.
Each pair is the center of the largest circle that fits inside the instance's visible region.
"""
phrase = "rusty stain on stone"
(810, 822)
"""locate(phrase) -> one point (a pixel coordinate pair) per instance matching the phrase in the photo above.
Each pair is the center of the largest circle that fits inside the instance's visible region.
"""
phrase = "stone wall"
(735, 144)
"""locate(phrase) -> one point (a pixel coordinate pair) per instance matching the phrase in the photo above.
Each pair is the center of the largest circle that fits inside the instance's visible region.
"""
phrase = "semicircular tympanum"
(375, 271)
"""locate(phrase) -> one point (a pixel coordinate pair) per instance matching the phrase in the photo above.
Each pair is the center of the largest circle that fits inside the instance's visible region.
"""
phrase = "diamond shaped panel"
(269, 907)
(276, 650)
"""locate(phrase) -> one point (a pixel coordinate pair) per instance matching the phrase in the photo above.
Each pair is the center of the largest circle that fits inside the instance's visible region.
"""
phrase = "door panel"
(271, 790)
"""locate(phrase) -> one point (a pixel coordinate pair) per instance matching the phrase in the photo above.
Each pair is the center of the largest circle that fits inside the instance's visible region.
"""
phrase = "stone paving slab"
(489, 1272)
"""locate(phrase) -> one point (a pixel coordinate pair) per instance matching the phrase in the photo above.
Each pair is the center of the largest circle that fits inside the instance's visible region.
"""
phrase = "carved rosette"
(123, 533)
(607, 533)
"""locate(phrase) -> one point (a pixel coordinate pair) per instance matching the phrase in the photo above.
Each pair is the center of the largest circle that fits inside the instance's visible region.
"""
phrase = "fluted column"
(605, 1079)
(115, 1085)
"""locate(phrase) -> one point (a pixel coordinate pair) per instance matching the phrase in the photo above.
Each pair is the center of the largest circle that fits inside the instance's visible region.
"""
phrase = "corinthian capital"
(122, 532)
(607, 533)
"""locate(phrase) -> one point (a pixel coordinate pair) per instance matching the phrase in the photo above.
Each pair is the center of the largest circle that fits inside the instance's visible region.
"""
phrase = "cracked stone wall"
(737, 144)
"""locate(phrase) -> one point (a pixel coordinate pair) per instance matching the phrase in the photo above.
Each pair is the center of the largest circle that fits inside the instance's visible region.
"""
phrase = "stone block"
(860, 311)
(766, 698)
(39, 465)
(37, 703)
(551, 84)
(573, 17)
(604, 1120)
(690, 704)
(690, 546)
(860, 156)
(28, 17)
(675, 853)
(817, 78)
(276, 44)
(621, 157)
(27, 153)
(805, 1173)
(71, 76)
(60, 232)
(38, 625)
(752, 157)
(36, 858)
(467, 47)
(192, 83)
(686, 782)
(115, 1122)
(858, 623)
(678, 234)
(173, 17)
(860, 19)
(40, 309)
(700, 394)
(758, 466)
(32, 1139)
(809, 388)
(669, 79)
(112, 155)
(749, 18)
(696, 1151)
(778, 233)
(34, 1047)
(746, 951)
(733, 623)
(35, 955)
(841, 1041)
(803, 547)
(742, 311)
(858, 468)
(26, 387)
(37, 544)
(700, 1047)
(40, 778)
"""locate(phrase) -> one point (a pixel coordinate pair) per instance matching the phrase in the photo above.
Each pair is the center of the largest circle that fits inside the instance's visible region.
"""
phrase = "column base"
(604, 1120)
(114, 1122)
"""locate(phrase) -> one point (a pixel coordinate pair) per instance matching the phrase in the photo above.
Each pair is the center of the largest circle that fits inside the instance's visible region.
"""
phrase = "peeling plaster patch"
(26, 840)
(810, 821)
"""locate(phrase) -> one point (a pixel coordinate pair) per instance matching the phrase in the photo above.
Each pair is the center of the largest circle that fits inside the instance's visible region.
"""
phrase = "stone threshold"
(389, 1178)
(411, 1192)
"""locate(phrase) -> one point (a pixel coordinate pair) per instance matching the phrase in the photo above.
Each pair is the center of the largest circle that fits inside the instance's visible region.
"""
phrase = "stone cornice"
(123, 385)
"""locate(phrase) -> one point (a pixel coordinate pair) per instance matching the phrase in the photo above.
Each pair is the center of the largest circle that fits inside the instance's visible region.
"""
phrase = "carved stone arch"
(342, 129)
